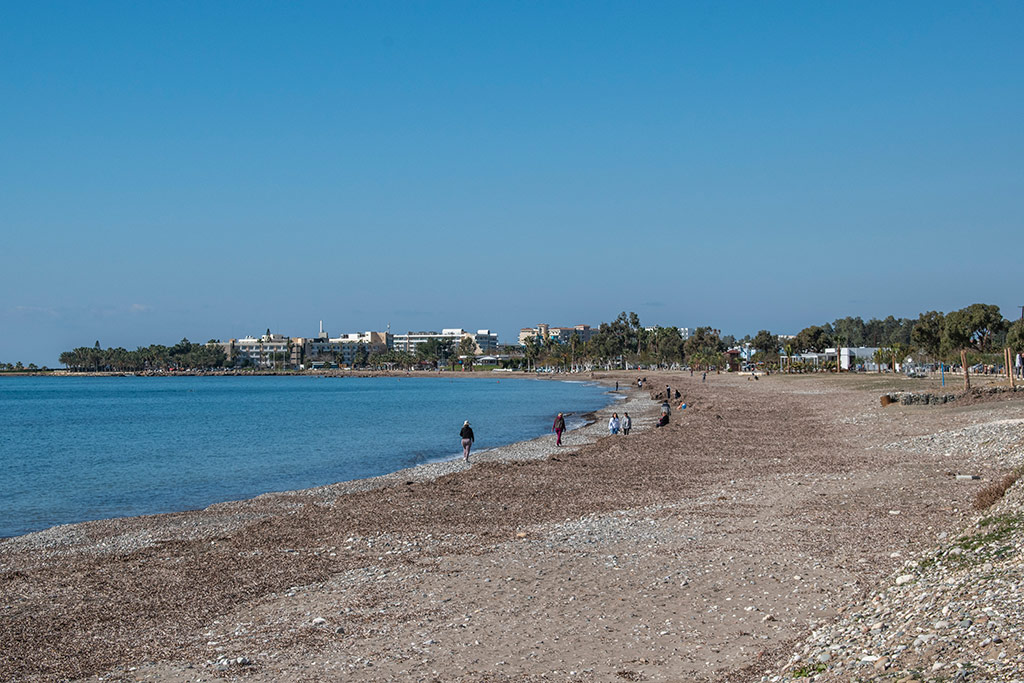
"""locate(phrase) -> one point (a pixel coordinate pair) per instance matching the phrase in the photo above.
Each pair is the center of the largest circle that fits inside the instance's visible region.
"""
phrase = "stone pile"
(910, 398)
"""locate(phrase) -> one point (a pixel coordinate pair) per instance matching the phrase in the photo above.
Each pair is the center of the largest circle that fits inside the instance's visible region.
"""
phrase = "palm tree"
(899, 352)
(530, 349)
(467, 348)
(880, 356)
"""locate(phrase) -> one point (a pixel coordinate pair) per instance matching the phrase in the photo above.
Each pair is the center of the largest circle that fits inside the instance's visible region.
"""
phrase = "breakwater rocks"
(912, 398)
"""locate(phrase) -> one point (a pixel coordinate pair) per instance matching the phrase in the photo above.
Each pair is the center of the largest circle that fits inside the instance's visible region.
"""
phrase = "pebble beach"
(779, 529)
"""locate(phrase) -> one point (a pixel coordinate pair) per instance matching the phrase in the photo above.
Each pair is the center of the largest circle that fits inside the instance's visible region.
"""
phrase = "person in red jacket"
(558, 427)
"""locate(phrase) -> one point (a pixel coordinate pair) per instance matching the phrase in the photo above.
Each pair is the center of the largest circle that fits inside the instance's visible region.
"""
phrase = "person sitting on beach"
(558, 427)
(664, 420)
(467, 439)
(613, 424)
(627, 423)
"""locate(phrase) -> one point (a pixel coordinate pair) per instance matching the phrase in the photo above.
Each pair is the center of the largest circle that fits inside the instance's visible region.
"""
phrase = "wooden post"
(1009, 366)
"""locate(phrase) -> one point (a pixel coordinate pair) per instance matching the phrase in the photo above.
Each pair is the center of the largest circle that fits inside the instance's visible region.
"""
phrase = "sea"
(74, 449)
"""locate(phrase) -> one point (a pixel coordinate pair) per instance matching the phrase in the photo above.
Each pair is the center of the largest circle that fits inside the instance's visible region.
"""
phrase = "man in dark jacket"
(467, 439)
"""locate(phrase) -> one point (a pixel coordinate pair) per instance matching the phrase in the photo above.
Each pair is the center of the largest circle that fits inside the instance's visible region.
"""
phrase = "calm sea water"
(79, 448)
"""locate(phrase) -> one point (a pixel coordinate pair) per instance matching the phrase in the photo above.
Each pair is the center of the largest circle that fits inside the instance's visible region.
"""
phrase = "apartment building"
(485, 340)
(263, 352)
(278, 350)
(341, 349)
(562, 335)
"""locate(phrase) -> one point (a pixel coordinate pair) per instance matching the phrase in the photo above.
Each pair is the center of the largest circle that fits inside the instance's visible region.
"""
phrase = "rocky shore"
(786, 528)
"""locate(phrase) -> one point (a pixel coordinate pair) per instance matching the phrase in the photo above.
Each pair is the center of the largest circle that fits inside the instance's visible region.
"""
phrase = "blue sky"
(212, 170)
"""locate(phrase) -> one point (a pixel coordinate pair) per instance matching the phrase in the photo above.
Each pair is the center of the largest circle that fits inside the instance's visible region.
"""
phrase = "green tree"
(429, 351)
(972, 328)
(766, 343)
(531, 348)
(467, 350)
(361, 356)
(927, 333)
(1015, 336)
(881, 355)
(704, 347)
(815, 338)
(850, 329)
(900, 352)
(667, 344)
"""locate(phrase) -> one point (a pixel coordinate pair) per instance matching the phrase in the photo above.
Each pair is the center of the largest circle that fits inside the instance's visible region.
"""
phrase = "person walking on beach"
(627, 423)
(558, 427)
(704, 377)
(467, 439)
(613, 424)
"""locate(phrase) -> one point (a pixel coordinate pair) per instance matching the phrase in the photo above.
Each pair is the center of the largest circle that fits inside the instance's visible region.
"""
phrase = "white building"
(341, 349)
(485, 340)
(264, 351)
(684, 332)
(562, 335)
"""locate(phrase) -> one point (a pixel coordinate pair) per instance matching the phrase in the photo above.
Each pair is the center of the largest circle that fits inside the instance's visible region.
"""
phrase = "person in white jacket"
(613, 424)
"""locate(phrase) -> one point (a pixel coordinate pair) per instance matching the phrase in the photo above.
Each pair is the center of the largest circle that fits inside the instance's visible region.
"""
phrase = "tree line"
(184, 355)
(934, 335)
(973, 334)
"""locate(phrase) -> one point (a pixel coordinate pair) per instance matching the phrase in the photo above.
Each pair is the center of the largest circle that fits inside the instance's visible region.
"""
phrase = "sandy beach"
(715, 549)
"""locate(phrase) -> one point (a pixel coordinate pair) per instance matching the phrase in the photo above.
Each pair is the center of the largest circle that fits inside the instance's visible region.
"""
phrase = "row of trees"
(967, 335)
(936, 335)
(20, 367)
(183, 356)
(625, 341)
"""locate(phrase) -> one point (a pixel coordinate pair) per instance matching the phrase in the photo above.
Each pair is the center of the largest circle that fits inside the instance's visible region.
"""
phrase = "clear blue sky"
(210, 170)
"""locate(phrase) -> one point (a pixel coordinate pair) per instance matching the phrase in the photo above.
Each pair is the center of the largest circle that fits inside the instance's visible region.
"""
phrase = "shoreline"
(538, 448)
(527, 449)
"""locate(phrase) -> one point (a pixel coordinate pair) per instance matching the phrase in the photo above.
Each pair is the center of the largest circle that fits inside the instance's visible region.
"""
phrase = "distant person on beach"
(704, 377)
(639, 383)
(558, 427)
(665, 408)
(467, 439)
(668, 392)
(613, 424)
(627, 423)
